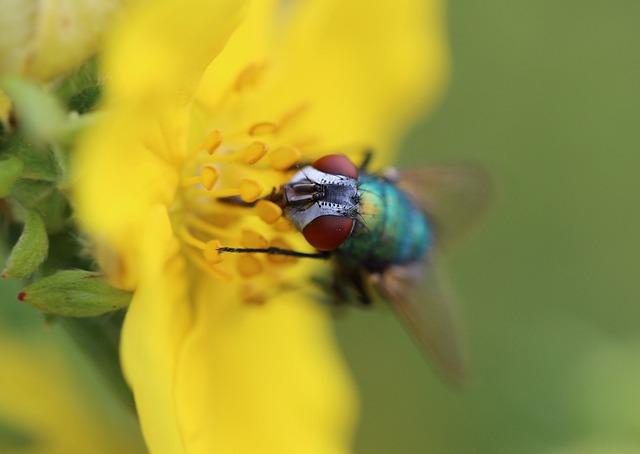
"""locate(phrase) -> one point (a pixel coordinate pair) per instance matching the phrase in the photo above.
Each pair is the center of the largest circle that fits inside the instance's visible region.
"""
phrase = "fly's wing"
(453, 197)
(429, 312)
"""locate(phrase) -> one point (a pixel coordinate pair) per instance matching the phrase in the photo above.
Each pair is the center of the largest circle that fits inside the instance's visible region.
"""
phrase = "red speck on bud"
(21, 296)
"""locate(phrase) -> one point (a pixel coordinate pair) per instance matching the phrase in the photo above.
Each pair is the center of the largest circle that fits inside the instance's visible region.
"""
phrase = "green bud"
(75, 293)
(10, 172)
(83, 101)
(43, 40)
(30, 250)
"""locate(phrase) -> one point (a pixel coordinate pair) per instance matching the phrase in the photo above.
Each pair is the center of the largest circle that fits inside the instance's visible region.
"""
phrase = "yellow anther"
(250, 190)
(209, 177)
(254, 152)
(249, 265)
(249, 76)
(268, 211)
(253, 239)
(252, 294)
(283, 225)
(211, 252)
(278, 258)
(284, 157)
(211, 142)
(263, 128)
(212, 270)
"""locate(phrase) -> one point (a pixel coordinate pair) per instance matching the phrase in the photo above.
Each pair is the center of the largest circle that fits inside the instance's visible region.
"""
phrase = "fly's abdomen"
(390, 229)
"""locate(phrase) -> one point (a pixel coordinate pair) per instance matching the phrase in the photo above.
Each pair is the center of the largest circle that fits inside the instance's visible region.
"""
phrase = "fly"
(388, 230)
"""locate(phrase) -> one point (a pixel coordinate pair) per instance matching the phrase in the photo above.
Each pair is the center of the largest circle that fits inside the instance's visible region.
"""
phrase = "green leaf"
(30, 250)
(75, 293)
(39, 112)
(10, 172)
(39, 161)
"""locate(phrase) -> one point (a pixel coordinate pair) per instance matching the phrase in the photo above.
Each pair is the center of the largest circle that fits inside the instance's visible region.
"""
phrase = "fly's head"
(323, 202)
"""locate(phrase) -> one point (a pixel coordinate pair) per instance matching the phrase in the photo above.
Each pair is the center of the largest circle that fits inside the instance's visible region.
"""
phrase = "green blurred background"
(546, 94)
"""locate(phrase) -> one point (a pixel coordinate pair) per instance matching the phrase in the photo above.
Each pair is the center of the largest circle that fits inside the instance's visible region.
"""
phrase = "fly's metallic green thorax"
(390, 229)
(365, 219)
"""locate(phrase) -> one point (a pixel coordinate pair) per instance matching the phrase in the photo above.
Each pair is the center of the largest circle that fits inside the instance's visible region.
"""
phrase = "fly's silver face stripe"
(311, 193)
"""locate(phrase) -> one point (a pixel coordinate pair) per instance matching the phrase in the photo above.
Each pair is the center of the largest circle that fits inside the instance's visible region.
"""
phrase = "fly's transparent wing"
(420, 296)
(453, 197)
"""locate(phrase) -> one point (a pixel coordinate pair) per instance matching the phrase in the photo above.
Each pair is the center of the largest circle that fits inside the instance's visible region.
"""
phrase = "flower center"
(221, 199)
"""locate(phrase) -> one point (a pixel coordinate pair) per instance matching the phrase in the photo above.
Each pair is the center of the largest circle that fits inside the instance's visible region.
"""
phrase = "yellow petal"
(157, 321)
(361, 72)
(47, 396)
(262, 378)
(131, 158)
(372, 67)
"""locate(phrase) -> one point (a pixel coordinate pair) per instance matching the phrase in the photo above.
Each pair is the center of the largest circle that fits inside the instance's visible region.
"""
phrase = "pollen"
(211, 143)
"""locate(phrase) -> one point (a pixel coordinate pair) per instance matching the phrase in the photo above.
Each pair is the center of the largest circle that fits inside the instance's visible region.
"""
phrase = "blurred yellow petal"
(153, 65)
(361, 71)
(50, 399)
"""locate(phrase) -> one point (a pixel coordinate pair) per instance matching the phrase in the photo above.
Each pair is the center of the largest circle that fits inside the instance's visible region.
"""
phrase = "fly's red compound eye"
(336, 164)
(326, 233)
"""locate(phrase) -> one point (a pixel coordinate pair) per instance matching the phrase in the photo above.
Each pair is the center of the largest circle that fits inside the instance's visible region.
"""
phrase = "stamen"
(293, 114)
(268, 211)
(210, 269)
(263, 128)
(279, 258)
(248, 265)
(251, 239)
(249, 191)
(254, 152)
(284, 157)
(211, 142)
(207, 178)
(209, 257)
(189, 239)
(249, 76)
(252, 294)
(211, 252)
(210, 229)
(283, 225)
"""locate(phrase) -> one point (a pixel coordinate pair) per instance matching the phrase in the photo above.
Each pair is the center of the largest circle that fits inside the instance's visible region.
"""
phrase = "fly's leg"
(366, 160)
(277, 251)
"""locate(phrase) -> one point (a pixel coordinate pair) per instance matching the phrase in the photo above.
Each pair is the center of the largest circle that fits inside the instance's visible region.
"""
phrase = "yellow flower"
(206, 99)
